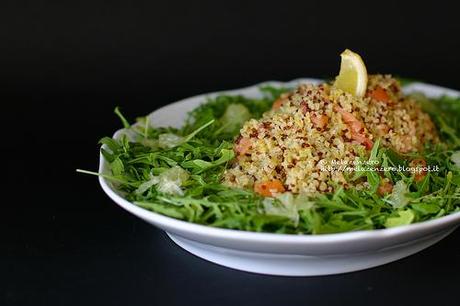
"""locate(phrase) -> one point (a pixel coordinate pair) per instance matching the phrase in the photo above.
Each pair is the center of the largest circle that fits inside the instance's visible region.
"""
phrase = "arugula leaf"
(125, 122)
(199, 165)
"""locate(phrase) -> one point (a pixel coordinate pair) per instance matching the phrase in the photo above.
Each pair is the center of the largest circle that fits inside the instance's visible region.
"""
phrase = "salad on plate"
(356, 153)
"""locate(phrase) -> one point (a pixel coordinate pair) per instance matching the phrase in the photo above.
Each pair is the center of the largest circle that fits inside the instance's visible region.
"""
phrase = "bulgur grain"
(288, 142)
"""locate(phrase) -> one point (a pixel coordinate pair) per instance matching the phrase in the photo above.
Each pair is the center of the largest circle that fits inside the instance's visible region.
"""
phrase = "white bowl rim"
(265, 237)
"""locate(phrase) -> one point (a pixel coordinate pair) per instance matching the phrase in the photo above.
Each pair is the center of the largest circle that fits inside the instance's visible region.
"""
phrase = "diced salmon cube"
(280, 101)
(380, 94)
(269, 188)
(242, 145)
(356, 128)
(319, 121)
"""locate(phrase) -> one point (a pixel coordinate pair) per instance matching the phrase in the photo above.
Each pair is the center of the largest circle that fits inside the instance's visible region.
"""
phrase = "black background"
(65, 66)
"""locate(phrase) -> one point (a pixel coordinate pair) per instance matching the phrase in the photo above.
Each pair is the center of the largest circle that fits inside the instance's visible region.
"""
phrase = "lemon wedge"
(352, 77)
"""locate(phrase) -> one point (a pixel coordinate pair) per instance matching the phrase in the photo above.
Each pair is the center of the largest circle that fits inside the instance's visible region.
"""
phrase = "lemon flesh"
(352, 77)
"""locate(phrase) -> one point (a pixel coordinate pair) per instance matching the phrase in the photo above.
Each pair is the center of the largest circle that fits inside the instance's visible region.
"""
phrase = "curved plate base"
(301, 265)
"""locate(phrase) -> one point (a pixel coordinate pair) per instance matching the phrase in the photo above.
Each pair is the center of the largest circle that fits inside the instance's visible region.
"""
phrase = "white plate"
(283, 254)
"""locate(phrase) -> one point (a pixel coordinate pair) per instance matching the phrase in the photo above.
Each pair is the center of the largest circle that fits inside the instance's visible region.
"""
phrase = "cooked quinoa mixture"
(318, 125)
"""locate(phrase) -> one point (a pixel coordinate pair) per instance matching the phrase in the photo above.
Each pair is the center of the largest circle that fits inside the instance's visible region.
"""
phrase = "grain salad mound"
(320, 125)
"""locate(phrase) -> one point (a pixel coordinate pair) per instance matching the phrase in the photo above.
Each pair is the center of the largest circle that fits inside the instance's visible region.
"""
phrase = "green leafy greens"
(177, 172)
